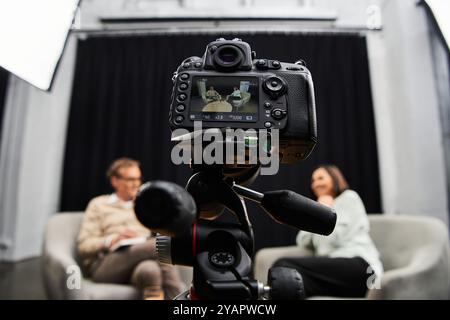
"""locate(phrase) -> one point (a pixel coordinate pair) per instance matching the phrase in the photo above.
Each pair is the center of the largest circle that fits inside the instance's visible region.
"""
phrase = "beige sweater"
(105, 217)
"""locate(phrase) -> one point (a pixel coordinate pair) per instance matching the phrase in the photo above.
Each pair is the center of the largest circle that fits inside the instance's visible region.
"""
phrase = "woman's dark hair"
(340, 184)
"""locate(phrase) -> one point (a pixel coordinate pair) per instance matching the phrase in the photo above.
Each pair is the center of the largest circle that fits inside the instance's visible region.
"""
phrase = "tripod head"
(221, 254)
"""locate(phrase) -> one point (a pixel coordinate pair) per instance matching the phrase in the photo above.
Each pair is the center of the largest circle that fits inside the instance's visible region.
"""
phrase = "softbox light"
(33, 34)
(441, 12)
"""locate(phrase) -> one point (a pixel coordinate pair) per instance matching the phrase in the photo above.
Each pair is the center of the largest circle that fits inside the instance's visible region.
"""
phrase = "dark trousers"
(324, 276)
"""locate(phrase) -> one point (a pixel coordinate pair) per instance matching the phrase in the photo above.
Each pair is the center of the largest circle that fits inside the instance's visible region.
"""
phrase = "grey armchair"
(60, 262)
(414, 251)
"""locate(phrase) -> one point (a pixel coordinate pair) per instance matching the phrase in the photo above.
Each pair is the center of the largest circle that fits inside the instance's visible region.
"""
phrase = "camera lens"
(228, 56)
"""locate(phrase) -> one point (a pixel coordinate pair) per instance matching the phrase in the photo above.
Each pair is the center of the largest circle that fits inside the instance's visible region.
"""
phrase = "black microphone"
(165, 207)
(288, 207)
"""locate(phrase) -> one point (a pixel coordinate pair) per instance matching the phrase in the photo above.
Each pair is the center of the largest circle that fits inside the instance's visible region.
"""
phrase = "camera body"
(229, 88)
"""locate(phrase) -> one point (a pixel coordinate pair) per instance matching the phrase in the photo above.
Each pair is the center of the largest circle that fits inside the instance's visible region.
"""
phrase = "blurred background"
(381, 73)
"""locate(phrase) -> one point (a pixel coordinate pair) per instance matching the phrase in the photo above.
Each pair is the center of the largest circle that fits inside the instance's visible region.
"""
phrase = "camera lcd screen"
(226, 99)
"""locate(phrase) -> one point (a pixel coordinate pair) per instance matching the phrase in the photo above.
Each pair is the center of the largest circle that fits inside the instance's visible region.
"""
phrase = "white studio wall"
(31, 157)
(411, 154)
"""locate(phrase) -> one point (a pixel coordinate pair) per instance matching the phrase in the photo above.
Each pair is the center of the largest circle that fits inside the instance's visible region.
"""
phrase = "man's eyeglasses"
(129, 179)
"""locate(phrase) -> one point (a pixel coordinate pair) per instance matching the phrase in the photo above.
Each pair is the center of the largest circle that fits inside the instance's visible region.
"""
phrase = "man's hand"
(125, 234)
(326, 200)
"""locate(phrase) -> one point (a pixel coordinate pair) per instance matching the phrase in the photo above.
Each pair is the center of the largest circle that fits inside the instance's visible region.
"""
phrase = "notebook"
(127, 242)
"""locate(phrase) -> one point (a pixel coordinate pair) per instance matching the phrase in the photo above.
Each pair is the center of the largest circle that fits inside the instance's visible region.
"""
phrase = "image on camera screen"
(228, 99)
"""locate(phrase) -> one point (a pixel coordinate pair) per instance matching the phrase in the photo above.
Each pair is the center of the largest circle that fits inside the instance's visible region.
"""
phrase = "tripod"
(221, 253)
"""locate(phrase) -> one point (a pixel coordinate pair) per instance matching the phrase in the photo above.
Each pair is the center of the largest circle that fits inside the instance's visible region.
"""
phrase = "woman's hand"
(326, 200)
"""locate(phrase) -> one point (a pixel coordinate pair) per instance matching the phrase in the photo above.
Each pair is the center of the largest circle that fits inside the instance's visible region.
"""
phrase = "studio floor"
(21, 280)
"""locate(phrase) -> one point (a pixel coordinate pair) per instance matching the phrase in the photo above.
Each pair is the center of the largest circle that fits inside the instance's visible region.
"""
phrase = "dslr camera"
(229, 88)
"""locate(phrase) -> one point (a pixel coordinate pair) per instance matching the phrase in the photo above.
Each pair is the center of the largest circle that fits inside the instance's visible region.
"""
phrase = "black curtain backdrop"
(4, 76)
(120, 104)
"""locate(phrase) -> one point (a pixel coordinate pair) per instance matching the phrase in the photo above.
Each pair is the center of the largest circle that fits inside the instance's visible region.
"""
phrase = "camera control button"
(186, 65)
(182, 97)
(184, 76)
(181, 108)
(276, 64)
(278, 114)
(267, 105)
(268, 124)
(183, 86)
(261, 64)
(198, 65)
(179, 119)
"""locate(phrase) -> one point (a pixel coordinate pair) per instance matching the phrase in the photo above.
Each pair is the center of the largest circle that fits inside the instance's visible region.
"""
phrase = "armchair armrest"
(56, 270)
(426, 277)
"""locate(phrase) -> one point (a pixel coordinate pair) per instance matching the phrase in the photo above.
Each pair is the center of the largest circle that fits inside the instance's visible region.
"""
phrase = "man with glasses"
(115, 247)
